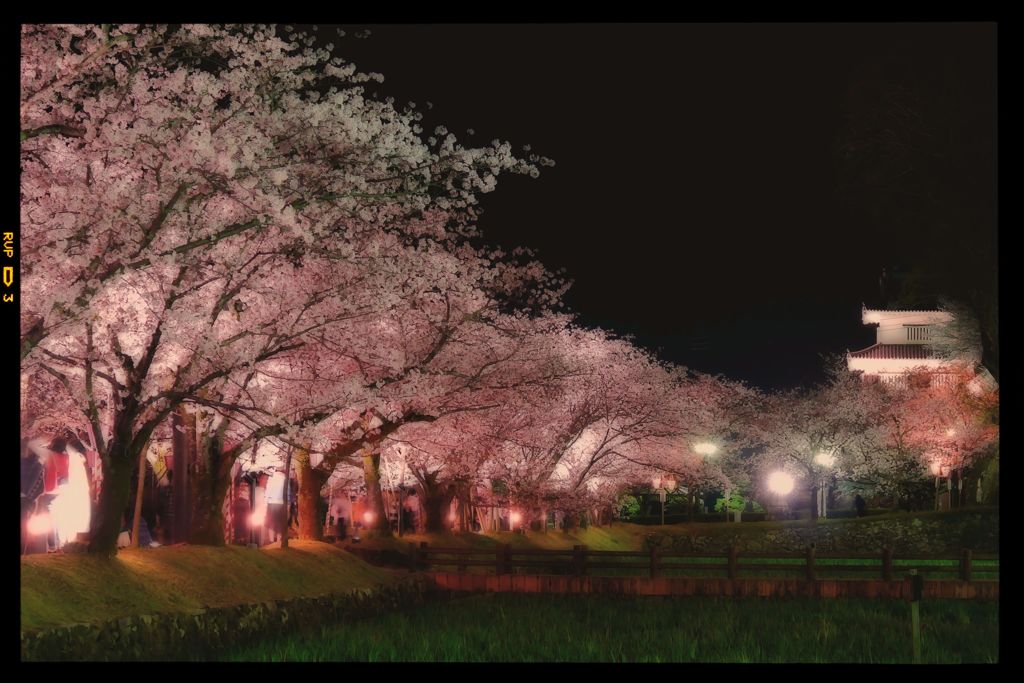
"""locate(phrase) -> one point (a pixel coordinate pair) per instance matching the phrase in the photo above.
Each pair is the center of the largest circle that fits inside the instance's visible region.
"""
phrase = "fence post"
(810, 562)
(887, 563)
(508, 559)
(916, 591)
(654, 562)
(965, 564)
(424, 558)
(412, 557)
(733, 562)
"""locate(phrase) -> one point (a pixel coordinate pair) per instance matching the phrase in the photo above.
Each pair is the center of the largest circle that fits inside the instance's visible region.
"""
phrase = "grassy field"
(65, 589)
(512, 628)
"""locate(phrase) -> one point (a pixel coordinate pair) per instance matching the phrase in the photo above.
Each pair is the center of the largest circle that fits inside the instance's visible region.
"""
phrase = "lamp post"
(780, 483)
(708, 449)
(664, 486)
(827, 460)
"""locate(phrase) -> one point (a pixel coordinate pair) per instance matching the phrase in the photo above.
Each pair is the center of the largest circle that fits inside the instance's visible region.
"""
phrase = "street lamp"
(706, 449)
(513, 519)
(663, 485)
(780, 483)
(825, 459)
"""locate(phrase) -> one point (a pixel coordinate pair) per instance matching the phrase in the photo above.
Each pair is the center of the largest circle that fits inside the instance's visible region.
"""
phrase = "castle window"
(918, 332)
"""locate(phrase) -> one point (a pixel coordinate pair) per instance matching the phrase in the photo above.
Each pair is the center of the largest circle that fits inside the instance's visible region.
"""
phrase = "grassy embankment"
(551, 628)
(64, 589)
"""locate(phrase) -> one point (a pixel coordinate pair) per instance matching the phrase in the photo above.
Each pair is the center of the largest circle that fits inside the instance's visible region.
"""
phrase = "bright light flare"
(40, 524)
(780, 482)
(706, 448)
(368, 517)
(257, 518)
(515, 517)
(825, 459)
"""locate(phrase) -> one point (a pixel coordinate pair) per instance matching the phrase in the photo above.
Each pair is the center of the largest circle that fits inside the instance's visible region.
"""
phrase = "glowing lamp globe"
(706, 448)
(516, 517)
(780, 483)
(825, 459)
(39, 524)
(258, 518)
(368, 517)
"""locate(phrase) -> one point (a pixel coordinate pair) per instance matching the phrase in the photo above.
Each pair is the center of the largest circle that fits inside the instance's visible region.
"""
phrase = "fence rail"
(731, 563)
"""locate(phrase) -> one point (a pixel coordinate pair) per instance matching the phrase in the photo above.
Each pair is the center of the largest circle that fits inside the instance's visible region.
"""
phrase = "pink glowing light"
(40, 524)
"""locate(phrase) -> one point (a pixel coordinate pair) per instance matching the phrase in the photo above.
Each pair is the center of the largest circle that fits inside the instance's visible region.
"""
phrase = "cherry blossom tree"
(806, 431)
(174, 175)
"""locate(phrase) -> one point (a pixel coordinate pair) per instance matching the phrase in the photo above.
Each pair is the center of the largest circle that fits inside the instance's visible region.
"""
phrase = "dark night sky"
(695, 201)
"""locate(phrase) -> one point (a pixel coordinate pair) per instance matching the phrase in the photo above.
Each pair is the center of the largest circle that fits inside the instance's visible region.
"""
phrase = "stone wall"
(936, 534)
(195, 635)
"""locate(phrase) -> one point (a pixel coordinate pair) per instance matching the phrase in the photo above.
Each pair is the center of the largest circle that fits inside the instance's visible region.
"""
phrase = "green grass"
(557, 628)
(66, 589)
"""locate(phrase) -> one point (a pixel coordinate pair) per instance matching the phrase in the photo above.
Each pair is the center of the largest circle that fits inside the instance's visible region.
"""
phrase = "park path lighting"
(704, 449)
(827, 460)
(780, 483)
(936, 470)
(513, 519)
(664, 486)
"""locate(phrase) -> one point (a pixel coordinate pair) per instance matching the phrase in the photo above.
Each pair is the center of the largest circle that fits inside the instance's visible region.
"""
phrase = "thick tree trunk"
(114, 495)
(436, 500)
(209, 485)
(465, 508)
(814, 503)
(287, 496)
(311, 481)
(209, 528)
(140, 488)
(183, 443)
(381, 525)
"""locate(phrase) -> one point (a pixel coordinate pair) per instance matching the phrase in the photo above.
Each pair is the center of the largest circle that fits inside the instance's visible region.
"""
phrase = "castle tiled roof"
(895, 352)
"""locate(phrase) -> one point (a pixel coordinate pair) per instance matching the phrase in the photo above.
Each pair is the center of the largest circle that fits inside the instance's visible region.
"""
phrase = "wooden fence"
(966, 575)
